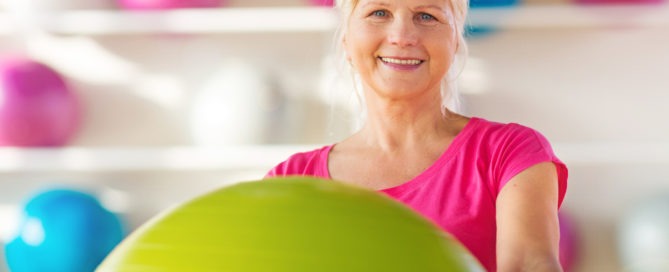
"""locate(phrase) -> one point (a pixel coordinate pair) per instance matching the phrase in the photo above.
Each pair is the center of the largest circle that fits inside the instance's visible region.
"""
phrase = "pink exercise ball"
(325, 3)
(569, 245)
(606, 2)
(37, 109)
(168, 4)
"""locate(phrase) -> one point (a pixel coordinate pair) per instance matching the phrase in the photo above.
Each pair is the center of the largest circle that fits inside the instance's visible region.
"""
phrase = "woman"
(495, 187)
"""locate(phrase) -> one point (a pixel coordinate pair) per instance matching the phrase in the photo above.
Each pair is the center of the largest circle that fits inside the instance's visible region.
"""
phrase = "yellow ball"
(290, 224)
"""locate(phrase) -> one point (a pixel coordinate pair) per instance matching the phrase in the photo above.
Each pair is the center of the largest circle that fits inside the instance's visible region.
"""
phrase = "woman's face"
(401, 48)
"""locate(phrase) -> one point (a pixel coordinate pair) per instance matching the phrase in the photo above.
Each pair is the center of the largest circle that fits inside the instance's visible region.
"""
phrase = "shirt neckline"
(446, 156)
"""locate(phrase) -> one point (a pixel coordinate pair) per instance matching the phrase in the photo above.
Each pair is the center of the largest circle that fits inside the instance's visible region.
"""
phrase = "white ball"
(643, 236)
(231, 108)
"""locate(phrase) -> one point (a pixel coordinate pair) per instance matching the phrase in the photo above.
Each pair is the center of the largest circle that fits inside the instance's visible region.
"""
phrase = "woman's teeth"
(402, 62)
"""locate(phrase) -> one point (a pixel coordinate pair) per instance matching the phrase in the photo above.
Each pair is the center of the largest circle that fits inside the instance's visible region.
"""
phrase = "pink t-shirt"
(459, 190)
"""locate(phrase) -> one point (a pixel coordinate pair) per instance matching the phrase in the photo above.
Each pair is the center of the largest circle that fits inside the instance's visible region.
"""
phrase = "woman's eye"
(426, 17)
(379, 13)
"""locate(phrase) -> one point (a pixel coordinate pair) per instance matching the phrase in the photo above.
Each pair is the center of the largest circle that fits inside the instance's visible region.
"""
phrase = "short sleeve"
(277, 171)
(520, 148)
(311, 163)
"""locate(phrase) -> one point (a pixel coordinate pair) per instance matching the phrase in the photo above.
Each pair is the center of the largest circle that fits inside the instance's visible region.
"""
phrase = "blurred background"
(124, 108)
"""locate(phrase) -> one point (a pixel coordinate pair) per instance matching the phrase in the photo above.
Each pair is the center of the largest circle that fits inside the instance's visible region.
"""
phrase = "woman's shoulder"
(497, 129)
(495, 135)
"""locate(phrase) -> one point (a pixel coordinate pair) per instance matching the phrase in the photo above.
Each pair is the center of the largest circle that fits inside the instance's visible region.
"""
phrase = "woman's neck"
(395, 126)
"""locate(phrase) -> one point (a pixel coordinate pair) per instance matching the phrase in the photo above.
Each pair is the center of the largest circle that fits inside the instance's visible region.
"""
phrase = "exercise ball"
(472, 32)
(492, 3)
(546, 2)
(607, 2)
(231, 108)
(569, 242)
(167, 4)
(63, 230)
(476, 30)
(290, 224)
(324, 3)
(643, 236)
(37, 108)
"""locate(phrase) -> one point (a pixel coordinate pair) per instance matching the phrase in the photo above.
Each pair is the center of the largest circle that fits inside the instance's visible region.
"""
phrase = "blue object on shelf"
(478, 31)
(63, 230)
(475, 31)
(492, 3)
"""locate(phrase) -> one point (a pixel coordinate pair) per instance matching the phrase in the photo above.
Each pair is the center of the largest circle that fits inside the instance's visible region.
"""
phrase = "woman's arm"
(527, 221)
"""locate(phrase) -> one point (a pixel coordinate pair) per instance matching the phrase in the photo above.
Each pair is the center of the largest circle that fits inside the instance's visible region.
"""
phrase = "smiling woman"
(446, 16)
(401, 52)
(496, 187)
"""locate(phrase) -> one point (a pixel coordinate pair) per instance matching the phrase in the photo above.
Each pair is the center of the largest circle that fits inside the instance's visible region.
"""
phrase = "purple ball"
(606, 2)
(37, 108)
(167, 4)
(569, 244)
(325, 3)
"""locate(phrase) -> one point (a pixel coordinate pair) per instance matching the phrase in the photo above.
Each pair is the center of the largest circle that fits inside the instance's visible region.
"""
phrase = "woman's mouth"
(401, 63)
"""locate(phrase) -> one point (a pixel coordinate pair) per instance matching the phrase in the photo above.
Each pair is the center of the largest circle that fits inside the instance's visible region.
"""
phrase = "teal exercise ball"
(476, 31)
(63, 230)
(618, 2)
(290, 224)
(493, 3)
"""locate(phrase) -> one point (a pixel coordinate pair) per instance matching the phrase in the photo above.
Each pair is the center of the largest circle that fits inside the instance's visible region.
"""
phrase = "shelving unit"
(319, 19)
(223, 20)
(569, 33)
(298, 20)
(263, 157)
(234, 158)
(572, 16)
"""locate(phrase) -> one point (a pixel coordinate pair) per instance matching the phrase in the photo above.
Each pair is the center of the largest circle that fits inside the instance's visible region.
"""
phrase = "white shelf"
(142, 159)
(221, 20)
(265, 157)
(613, 152)
(573, 16)
(323, 19)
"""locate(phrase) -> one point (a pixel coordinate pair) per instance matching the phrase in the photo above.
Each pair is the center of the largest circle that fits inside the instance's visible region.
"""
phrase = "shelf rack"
(263, 157)
(320, 19)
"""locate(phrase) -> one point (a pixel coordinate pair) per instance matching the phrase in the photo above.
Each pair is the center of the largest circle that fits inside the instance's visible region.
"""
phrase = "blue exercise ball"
(478, 31)
(474, 31)
(492, 3)
(63, 230)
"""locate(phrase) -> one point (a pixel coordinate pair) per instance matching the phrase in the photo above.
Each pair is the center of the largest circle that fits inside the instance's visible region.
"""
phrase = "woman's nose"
(402, 33)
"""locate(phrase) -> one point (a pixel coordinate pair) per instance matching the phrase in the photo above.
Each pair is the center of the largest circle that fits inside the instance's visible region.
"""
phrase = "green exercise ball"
(290, 224)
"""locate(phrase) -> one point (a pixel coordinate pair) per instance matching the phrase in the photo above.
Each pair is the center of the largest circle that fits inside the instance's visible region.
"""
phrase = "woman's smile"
(402, 64)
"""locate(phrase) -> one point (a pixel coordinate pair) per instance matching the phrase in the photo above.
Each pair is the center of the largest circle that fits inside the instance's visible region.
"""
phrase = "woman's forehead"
(437, 3)
(413, 2)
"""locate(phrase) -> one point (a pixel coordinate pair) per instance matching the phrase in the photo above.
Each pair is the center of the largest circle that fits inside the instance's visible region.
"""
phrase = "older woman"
(496, 187)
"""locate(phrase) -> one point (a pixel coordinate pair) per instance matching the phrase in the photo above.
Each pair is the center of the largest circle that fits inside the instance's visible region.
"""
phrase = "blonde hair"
(450, 101)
